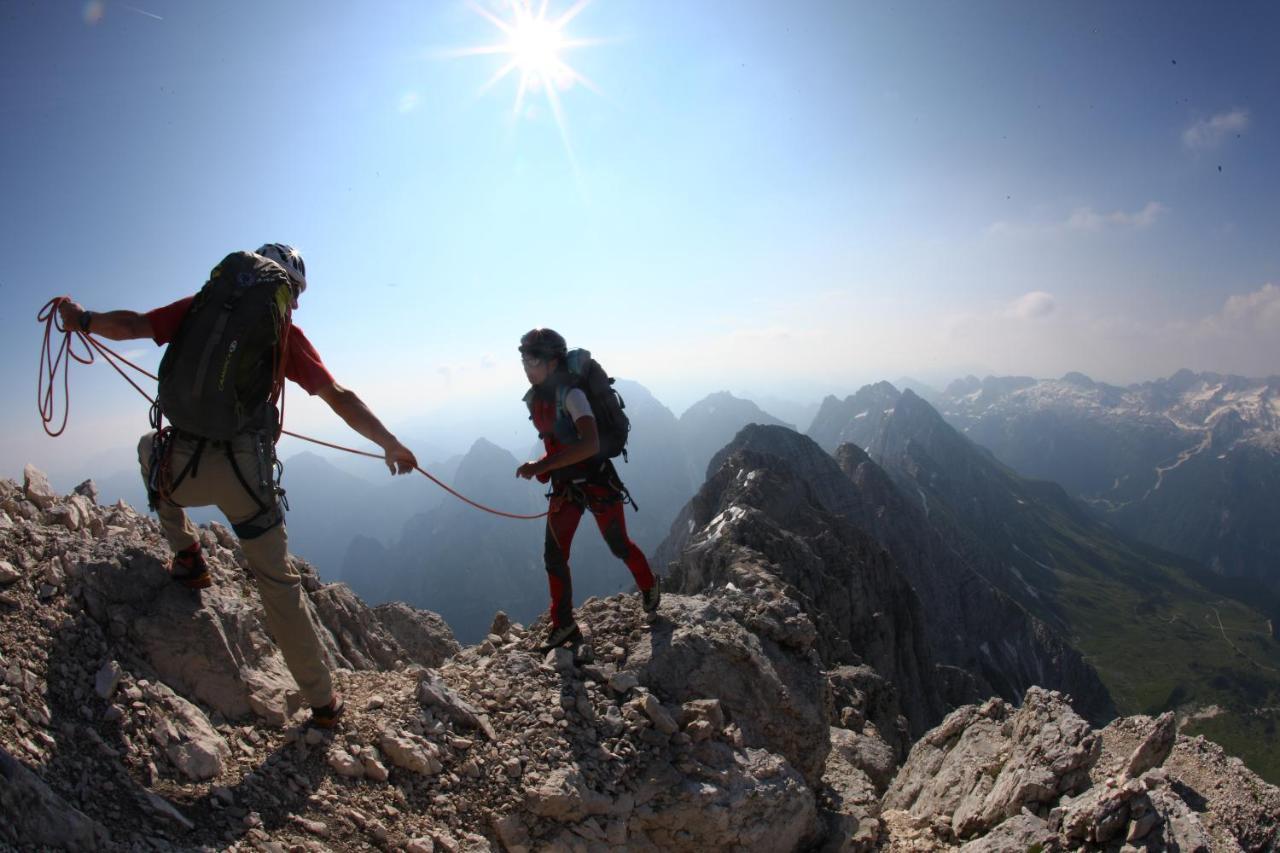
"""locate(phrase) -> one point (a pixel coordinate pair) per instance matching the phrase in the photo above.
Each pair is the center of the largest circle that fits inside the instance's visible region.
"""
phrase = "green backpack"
(223, 370)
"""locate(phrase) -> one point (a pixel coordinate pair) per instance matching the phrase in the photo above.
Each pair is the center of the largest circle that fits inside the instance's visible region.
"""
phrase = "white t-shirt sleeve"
(575, 403)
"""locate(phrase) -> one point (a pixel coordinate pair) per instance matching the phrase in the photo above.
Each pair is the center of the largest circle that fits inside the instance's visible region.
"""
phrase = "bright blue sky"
(786, 198)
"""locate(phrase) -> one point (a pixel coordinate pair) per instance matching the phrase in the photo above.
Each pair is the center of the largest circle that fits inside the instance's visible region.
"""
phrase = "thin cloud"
(1209, 133)
(1258, 312)
(409, 102)
(1083, 219)
(142, 12)
(1086, 219)
(1031, 306)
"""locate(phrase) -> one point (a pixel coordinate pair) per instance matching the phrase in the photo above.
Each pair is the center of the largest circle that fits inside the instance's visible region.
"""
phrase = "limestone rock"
(411, 752)
(345, 764)
(1143, 809)
(500, 627)
(88, 489)
(359, 640)
(1021, 832)
(107, 679)
(723, 648)
(851, 819)
(756, 801)
(214, 648)
(433, 693)
(984, 763)
(623, 681)
(424, 635)
(36, 488)
(1154, 748)
(661, 718)
(563, 796)
(186, 736)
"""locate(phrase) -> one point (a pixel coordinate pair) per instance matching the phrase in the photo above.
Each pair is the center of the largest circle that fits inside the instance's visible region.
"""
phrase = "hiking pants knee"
(213, 481)
(606, 505)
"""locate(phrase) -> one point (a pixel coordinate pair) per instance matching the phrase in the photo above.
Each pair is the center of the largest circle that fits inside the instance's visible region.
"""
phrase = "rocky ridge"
(988, 643)
(715, 726)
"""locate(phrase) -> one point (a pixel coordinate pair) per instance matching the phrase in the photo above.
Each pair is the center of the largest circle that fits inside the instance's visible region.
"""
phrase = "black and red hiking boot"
(189, 569)
(327, 716)
(651, 597)
(568, 634)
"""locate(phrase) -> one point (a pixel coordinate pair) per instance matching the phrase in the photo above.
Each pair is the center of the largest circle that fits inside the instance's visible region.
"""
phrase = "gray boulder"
(753, 652)
(852, 802)
(756, 801)
(1143, 810)
(424, 636)
(1236, 807)
(986, 763)
(36, 488)
(213, 647)
(355, 636)
(184, 733)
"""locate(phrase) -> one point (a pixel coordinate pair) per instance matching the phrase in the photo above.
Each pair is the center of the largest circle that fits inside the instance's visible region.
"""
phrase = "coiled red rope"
(51, 365)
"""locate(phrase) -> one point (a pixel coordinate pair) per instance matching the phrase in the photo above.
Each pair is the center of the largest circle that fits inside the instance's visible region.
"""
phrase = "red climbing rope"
(51, 365)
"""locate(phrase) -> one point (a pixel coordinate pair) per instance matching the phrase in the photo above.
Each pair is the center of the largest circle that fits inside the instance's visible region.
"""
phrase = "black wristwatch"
(85, 317)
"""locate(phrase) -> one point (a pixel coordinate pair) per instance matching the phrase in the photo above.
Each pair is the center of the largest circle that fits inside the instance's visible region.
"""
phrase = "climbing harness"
(159, 484)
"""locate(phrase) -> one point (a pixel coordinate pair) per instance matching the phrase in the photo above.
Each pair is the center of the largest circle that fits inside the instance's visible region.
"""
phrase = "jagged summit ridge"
(989, 643)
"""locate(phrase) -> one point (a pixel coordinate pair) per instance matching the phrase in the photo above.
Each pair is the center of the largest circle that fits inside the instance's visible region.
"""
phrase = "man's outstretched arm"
(348, 406)
(115, 325)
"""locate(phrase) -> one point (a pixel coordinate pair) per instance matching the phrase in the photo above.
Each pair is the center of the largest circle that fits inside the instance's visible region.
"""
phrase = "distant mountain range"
(1190, 463)
(1162, 631)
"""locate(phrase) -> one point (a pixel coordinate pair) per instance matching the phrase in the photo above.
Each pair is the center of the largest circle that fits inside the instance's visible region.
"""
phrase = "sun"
(534, 44)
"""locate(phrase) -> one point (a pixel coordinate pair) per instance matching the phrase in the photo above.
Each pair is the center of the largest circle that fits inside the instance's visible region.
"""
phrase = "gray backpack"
(224, 369)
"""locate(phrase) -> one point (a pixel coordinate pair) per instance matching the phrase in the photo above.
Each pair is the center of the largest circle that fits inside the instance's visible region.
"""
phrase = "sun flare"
(533, 47)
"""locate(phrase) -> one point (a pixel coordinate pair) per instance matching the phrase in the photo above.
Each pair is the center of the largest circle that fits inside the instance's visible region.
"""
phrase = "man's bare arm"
(347, 405)
(115, 325)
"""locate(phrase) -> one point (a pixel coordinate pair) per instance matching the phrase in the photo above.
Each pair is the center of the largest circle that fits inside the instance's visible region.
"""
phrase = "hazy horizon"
(432, 438)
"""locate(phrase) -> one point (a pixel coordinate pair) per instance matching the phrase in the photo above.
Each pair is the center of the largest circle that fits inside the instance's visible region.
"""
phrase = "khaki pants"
(213, 482)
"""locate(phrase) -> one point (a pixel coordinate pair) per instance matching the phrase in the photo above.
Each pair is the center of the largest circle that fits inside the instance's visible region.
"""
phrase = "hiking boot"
(650, 597)
(189, 569)
(326, 716)
(568, 634)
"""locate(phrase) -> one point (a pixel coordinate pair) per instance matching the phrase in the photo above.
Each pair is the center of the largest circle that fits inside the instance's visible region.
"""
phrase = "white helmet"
(289, 258)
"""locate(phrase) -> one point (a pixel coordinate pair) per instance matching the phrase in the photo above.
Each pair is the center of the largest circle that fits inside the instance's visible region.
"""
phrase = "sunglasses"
(531, 360)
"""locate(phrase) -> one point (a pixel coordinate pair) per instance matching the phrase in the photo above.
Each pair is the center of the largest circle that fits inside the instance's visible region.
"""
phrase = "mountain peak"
(1077, 378)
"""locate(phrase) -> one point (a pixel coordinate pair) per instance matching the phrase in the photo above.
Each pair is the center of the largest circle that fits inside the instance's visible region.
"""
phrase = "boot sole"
(203, 581)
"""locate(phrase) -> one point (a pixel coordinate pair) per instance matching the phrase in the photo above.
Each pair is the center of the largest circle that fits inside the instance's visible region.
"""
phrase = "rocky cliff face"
(987, 643)
(757, 525)
(137, 715)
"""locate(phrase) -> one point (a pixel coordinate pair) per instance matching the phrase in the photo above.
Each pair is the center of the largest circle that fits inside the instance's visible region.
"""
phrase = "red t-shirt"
(302, 363)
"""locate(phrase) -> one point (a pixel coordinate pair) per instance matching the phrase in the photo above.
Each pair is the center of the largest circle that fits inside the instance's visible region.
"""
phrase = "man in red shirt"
(236, 475)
